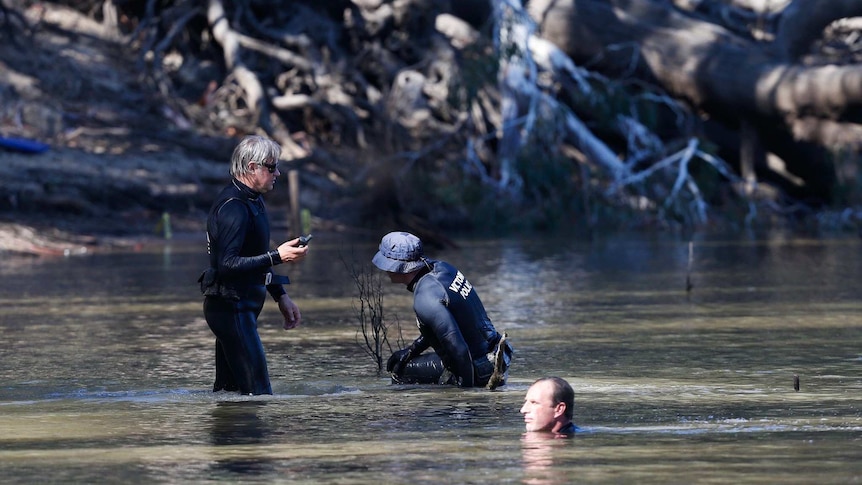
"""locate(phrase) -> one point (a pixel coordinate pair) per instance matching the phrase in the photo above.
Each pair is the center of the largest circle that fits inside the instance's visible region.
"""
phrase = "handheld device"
(303, 240)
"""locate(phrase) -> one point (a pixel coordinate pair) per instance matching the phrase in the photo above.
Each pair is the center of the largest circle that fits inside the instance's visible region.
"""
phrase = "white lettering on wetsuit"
(461, 286)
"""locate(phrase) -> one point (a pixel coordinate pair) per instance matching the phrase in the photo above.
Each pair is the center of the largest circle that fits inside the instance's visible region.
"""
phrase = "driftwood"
(26, 240)
(402, 108)
(732, 78)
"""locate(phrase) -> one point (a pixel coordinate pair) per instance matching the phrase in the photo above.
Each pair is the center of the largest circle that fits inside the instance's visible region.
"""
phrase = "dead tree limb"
(229, 40)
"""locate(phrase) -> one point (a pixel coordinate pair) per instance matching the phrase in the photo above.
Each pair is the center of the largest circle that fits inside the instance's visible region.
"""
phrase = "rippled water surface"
(107, 364)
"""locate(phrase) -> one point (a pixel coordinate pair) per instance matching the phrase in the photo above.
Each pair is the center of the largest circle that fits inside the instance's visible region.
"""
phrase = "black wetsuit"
(238, 237)
(453, 321)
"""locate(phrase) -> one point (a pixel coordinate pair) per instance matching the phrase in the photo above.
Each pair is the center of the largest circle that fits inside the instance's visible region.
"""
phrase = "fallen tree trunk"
(730, 78)
(447, 109)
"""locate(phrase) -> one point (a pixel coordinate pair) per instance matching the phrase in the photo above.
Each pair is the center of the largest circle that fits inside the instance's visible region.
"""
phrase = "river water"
(107, 364)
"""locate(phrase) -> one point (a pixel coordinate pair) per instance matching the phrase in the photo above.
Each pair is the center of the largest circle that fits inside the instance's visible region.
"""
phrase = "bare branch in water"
(374, 330)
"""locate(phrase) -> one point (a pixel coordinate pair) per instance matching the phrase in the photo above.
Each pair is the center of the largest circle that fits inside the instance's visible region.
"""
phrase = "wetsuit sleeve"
(429, 307)
(419, 345)
(275, 290)
(233, 221)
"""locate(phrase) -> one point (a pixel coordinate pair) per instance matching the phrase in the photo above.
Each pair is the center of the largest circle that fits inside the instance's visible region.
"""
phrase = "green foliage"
(548, 197)
(710, 182)
(848, 169)
(492, 212)
(305, 217)
(550, 191)
(477, 69)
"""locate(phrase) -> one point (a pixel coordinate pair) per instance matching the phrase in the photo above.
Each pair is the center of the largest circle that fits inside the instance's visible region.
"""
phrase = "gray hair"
(253, 149)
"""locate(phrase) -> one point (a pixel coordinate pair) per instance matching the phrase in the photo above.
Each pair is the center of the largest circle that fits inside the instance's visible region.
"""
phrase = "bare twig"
(369, 313)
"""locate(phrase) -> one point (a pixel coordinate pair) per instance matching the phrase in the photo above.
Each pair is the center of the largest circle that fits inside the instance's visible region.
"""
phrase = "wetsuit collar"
(568, 429)
(422, 272)
(245, 189)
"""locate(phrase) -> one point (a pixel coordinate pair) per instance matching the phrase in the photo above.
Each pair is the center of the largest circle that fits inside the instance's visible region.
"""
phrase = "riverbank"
(70, 201)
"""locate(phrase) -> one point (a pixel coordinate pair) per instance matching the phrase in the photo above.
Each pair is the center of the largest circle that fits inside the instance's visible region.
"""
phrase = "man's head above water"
(549, 405)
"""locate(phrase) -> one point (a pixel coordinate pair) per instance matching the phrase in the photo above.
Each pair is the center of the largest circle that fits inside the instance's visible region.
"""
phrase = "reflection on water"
(106, 366)
(239, 423)
(538, 450)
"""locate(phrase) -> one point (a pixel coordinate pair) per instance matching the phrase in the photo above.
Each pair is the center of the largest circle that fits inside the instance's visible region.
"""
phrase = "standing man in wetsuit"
(451, 319)
(240, 273)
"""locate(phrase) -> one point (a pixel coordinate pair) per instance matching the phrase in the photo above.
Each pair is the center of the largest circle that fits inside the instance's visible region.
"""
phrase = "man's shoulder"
(435, 281)
(232, 205)
(443, 266)
(428, 295)
(428, 287)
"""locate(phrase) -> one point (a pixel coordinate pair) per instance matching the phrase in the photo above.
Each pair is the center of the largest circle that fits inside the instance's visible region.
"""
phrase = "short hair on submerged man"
(253, 148)
(563, 393)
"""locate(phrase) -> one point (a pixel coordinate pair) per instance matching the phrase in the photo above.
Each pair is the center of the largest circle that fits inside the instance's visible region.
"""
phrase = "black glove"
(398, 359)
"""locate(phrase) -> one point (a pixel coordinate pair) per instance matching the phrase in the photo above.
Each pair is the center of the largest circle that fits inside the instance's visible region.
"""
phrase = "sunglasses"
(272, 167)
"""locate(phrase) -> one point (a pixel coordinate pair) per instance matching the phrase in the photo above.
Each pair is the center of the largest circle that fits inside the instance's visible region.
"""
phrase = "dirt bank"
(119, 159)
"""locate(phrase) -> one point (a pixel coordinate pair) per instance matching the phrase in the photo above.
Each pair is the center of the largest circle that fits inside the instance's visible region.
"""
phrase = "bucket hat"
(399, 252)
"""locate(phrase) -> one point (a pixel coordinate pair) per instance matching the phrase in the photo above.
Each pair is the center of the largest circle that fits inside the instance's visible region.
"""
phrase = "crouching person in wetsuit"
(240, 273)
(451, 318)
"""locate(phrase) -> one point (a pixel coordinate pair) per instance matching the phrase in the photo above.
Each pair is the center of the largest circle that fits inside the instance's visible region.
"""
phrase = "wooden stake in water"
(164, 225)
(294, 224)
(688, 284)
(305, 217)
